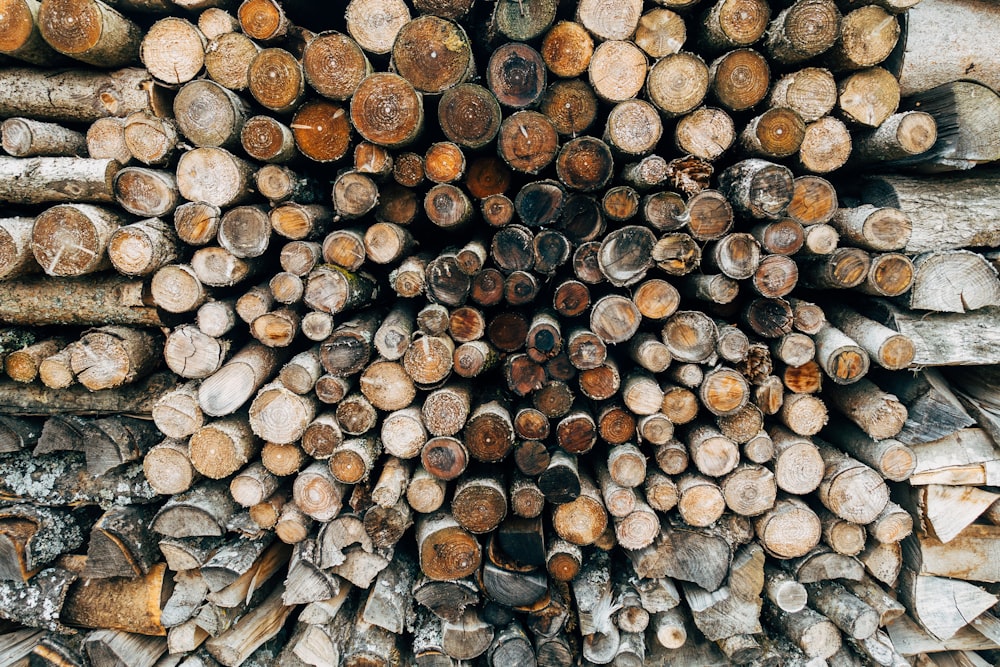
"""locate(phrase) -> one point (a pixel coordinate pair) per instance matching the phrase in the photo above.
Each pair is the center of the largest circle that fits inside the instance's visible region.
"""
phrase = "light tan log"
(231, 386)
(173, 50)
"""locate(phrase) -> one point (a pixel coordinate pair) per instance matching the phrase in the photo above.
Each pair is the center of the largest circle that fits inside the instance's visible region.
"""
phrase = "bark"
(107, 38)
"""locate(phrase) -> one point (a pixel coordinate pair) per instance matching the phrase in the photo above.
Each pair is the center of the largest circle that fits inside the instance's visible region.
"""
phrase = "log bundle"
(508, 332)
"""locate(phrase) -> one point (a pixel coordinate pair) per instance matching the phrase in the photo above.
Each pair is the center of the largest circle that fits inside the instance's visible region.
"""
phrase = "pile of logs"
(509, 332)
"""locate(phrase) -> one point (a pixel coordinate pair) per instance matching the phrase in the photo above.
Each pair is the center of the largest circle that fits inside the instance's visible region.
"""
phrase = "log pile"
(499, 333)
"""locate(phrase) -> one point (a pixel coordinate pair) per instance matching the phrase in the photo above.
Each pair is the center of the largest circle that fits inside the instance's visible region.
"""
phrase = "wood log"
(250, 632)
(108, 40)
(955, 55)
(78, 95)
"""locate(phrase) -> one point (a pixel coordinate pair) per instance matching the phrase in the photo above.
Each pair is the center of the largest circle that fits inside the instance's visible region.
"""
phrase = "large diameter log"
(945, 41)
(447, 551)
(77, 95)
(132, 605)
(947, 339)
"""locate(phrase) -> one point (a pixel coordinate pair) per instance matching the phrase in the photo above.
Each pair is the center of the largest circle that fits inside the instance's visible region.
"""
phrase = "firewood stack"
(499, 333)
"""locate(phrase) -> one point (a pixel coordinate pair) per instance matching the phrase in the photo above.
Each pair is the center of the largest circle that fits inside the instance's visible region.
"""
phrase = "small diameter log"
(901, 136)
(894, 460)
(168, 468)
(24, 137)
(582, 520)
(57, 179)
(231, 386)
(76, 95)
(23, 365)
(877, 413)
(888, 348)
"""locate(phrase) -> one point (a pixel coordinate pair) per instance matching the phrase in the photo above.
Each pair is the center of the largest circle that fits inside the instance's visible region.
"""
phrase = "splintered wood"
(510, 332)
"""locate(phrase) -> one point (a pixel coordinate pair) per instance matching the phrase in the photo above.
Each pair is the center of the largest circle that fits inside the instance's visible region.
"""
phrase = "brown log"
(527, 141)
(107, 39)
(23, 39)
(776, 133)
(334, 65)
(321, 130)
(263, 19)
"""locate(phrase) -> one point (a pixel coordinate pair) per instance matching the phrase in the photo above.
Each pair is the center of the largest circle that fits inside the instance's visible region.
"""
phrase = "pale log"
(813, 633)
(868, 98)
(250, 632)
(24, 137)
(788, 530)
(228, 57)
(701, 556)
(229, 388)
(958, 50)
(877, 413)
(902, 136)
(942, 606)
(77, 95)
(923, 201)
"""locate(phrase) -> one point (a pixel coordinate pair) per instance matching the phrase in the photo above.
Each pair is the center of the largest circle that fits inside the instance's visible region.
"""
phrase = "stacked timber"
(501, 333)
